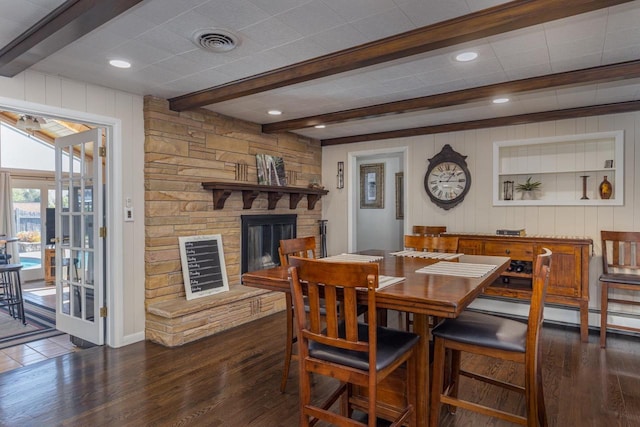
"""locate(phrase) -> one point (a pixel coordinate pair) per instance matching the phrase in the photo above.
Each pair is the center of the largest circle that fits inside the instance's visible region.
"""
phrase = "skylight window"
(41, 154)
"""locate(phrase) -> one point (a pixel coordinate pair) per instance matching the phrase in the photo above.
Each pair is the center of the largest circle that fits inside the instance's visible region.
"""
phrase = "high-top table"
(422, 294)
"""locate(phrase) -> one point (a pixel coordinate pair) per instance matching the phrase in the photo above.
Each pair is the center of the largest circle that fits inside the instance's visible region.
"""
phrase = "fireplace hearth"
(260, 238)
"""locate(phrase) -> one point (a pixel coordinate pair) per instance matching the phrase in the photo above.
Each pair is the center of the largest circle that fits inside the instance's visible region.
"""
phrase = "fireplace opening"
(260, 238)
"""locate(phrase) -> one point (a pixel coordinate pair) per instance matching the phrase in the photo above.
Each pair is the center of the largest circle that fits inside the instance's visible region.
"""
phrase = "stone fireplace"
(261, 235)
(183, 150)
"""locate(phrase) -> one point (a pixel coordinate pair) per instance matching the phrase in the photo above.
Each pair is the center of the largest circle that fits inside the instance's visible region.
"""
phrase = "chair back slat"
(351, 312)
(337, 283)
(431, 243)
(314, 304)
(332, 316)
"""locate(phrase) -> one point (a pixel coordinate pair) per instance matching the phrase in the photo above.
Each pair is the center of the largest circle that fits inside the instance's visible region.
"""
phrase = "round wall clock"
(448, 179)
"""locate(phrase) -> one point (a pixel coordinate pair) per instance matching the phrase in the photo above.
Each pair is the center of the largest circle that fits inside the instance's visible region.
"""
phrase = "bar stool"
(11, 290)
(5, 257)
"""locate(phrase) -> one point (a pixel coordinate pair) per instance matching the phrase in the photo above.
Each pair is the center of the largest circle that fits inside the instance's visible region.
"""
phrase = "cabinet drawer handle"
(507, 251)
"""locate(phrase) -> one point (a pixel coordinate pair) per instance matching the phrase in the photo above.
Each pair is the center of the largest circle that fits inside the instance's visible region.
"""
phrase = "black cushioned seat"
(485, 330)
(391, 344)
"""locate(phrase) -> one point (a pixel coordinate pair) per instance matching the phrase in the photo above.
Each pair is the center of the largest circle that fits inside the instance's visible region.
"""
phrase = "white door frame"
(114, 215)
(354, 180)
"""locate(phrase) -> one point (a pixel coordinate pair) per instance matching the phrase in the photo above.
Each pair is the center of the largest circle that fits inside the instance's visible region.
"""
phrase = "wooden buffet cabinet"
(569, 279)
(49, 265)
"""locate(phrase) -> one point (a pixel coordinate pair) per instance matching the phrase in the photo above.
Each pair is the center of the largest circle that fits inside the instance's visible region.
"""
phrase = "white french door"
(79, 247)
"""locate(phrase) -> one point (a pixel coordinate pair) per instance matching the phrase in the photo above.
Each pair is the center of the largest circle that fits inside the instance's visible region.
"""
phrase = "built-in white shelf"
(559, 163)
(582, 172)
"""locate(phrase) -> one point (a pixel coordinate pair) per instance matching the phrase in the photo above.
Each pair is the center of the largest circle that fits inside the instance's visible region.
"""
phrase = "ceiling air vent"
(216, 40)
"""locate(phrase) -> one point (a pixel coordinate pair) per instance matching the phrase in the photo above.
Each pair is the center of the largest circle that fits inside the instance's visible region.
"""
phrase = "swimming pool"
(30, 262)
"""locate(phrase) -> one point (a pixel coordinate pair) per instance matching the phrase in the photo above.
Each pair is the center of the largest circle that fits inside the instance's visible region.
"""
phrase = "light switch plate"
(128, 214)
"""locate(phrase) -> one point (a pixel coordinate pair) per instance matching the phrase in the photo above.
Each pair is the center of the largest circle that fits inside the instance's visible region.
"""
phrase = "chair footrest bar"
(622, 327)
(484, 410)
(623, 301)
(478, 377)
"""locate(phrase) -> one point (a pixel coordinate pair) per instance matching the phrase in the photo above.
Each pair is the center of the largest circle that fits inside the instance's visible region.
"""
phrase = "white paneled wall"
(51, 95)
(477, 213)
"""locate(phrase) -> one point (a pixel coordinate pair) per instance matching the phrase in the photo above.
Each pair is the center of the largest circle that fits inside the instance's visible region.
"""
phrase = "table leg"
(584, 321)
(421, 327)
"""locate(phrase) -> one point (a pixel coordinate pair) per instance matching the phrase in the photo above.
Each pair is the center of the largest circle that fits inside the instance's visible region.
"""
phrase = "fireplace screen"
(261, 235)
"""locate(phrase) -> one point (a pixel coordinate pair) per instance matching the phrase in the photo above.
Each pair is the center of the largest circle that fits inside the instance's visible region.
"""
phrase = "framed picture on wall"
(270, 170)
(372, 186)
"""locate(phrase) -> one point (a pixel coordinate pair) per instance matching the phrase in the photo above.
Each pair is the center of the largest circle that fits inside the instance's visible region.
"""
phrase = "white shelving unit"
(559, 164)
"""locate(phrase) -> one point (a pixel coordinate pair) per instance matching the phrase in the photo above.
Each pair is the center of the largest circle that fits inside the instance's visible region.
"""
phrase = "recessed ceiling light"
(500, 100)
(466, 56)
(274, 112)
(320, 126)
(119, 63)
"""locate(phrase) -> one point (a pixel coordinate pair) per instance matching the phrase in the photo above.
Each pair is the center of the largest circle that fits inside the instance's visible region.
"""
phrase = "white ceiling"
(155, 37)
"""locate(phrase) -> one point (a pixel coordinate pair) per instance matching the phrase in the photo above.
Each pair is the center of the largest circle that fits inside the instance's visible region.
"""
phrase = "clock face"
(447, 180)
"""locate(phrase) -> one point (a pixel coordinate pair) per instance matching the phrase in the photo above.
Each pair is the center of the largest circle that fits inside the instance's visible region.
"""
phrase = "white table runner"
(426, 255)
(460, 269)
(384, 281)
(352, 258)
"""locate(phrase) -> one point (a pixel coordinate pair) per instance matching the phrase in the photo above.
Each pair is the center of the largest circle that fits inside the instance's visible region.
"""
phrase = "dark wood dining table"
(422, 294)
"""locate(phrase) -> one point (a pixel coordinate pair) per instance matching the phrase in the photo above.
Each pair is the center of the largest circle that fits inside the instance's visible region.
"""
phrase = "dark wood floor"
(232, 379)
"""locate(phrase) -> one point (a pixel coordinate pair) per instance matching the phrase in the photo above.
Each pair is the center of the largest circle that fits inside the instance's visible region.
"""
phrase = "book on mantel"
(505, 232)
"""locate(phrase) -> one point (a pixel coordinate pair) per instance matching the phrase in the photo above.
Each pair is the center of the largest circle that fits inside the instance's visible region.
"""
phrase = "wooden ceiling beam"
(484, 23)
(613, 72)
(520, 119)
(64, 25)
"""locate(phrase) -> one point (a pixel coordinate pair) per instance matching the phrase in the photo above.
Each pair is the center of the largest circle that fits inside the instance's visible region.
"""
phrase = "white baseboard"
(132, 338)
(553, 313)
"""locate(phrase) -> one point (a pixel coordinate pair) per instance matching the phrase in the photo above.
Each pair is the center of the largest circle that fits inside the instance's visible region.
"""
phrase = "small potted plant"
(528, 189)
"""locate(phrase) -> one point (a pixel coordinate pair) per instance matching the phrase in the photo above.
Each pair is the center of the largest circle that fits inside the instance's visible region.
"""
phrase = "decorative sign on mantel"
(203, 267)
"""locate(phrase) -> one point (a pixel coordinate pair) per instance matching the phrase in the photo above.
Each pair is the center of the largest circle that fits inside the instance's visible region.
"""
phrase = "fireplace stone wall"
(182, 150)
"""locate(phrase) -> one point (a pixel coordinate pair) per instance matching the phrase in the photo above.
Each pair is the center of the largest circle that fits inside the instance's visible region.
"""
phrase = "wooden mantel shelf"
(222, 190)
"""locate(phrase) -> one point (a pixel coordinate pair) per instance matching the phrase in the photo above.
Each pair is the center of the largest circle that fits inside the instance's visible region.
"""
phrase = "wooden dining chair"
(431, 243)
(426, 243)
(356, 354)
(304, 247)
(496, 337)
(620, 270)
(429, 230)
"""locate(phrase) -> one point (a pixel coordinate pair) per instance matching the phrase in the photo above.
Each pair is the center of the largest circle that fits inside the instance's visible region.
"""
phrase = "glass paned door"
(79, 249)
(31, 201)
